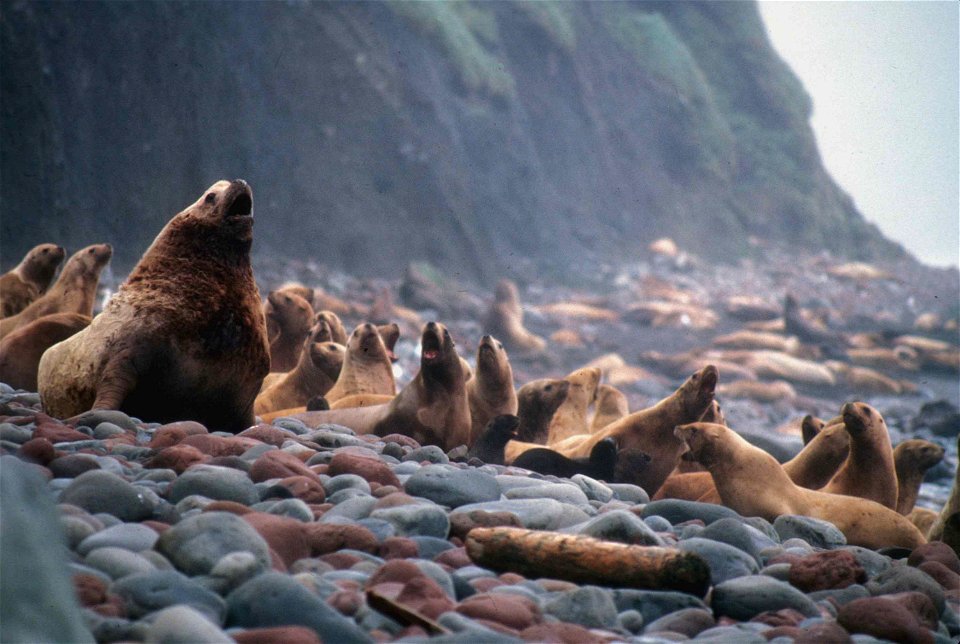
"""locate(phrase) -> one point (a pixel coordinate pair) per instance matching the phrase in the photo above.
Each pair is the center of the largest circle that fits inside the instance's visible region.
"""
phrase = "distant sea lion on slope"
(21, 350)
(505, 321)
(184, 337)
(75, 290)
(490, 392)
(752, 483)
(29, 279)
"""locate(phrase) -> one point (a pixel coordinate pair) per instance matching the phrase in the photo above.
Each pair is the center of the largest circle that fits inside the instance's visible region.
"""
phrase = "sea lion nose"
(486, 338)
(431, 326)
(240, 182)
(368, 327)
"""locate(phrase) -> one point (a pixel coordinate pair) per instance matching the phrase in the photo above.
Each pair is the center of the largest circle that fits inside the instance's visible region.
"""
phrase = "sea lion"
(488, 446)
(630, 467)
(611, 405)
(29, 279)
(289, 319)
(298, 289)
(359, 400)
(334, 331)
(942, 527)
(432, 409)
(868, 471)
(923, 518)
(505, 320)
(75, 290)
(712, 414)
(600, 465)
(537, 401)
(912, 458)
(864, 379)
(752, 483)
(746, 339)
(650, 430)
(490, 392)
(316, 371)
(802, 325)
(366, 366)
(20, 351)
(570, 418)
(760, 391)
(810, 426)
(184, 337)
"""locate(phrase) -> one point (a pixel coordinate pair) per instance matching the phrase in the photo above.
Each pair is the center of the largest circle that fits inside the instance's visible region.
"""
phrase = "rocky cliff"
(485, 137)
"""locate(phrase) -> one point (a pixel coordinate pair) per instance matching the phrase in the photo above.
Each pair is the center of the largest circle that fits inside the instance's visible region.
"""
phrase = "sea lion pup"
(75, 290)
(651, 430)
(537, 401)
(366, 366)
(611, 405)
(29, 279)
(912, 458)
(20, 351)
(505, 320)
(488, 446)
(752, 483)
(184, 337)
(869, 471)
(490, 392)
(316, 371)
(570, 418)
(289, 319)
(600, 465)
(432, 409)
(334, 327)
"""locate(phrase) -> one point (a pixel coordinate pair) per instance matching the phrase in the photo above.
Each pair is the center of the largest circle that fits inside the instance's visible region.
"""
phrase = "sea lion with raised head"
(868, 471)
(570, 418)
(611, 405)
(751, 482)
(490, 392)
(29, 279)
(366, 366)
(316, 371)
(75, 290)
(912, 458)
(333, 331)
(184, 336)
(537, 401)
(289, 319)
(21, 350)
(505, 320)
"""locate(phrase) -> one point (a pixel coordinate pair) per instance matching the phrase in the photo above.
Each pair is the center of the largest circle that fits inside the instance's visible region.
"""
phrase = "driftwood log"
(586, 560)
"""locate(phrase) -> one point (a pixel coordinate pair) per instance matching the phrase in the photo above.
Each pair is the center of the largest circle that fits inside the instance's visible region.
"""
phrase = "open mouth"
(430, 344)
(241, 206)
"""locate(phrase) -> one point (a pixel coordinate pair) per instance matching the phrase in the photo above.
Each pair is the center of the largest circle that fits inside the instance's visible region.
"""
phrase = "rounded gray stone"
(130, 536)
(725, 561)
(423, 519)
(184, 625)
(118, 562)
(98, 491)
(588, 606)
(197, 543)
(149, 592)
(745, 597)
(620, 526)
(214, 482)
(817, 533)
(452, 487)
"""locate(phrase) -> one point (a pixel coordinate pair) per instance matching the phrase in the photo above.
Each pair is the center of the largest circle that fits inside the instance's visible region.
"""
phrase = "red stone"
(828, 570)
(463, 522)
(948, 579)
(90, 589)
(220, 445)
(330, 537)
(285, 535)
(401, 440)
(340, 560)
(173, 433)
(277, 635)
(394, 500)
(267, 434)
(561, 633)
(306, 488)
(381, 491)
(367, 467)
(455, 558)
(177, 458)
(37, 450)
(883, 619)
(398, 548)
(935, 551)
(228, 506)
(425, 596)
(59, 433)
(278, 465)
(513, 611)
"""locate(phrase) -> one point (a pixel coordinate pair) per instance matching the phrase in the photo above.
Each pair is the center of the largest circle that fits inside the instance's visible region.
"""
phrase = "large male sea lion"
(29, 279)
(570, 418)
(316, 371)
(21, 350)
(650, 430)
(752, 483)
(537, 401)
(868, 471)
(366, 366)
(289, 318)
(184, 337)
(912, 458)
(505, 320)
(75, 290)
(490, 392)
(432, 409)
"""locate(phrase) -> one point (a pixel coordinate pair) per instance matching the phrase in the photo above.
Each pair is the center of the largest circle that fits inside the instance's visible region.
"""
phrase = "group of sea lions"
(187, 337)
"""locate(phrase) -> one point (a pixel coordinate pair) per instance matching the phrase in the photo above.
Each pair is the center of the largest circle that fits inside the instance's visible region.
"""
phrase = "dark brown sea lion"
(490, 392)
(752, 483)
(946, 527)
(289, 318)
(537, 401)
(29, 279)
(488, 446)
(600, 465)
(184, 337)
(317, 370)
(75, 290)
(20, 351)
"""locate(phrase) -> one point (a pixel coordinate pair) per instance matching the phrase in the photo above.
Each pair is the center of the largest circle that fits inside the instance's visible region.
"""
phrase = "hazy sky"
(884, 82)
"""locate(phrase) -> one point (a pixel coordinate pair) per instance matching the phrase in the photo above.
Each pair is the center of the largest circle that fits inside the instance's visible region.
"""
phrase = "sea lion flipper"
(118, 379)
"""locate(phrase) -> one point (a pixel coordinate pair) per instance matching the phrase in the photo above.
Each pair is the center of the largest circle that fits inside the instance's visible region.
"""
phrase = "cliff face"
(487, 138)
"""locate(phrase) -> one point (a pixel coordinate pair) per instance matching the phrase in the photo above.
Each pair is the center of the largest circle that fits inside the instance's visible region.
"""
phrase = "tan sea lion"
(868, 471)
(505, 320)
(570, 419)
(289, 319)
(650, 430)
(29, 279)
(713, 414)
(298, 289)
(75, 290)
(334, 331)
(21, 350)
(752, 483)
(899, 357)
(316, 371)
(184, 337)
(537, 402)
(747, 339)
(864, 379)
(611, 405)
(360, 400)
(758, 390)
(432, 409)
(366, 367)
(490, 392)
(912, 458)
(923, 518)
(940, 529)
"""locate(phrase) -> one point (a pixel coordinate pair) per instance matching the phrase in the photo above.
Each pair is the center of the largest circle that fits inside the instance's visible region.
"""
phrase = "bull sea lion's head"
(218, 224)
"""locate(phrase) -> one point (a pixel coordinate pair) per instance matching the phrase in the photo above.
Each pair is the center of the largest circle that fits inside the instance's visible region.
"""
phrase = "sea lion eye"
(548, 388)
(210, 198)
(91, 251)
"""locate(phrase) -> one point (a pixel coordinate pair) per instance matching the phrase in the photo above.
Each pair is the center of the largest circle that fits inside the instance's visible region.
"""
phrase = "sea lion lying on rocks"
(29, 279)
(599, 465)
(184, 337)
